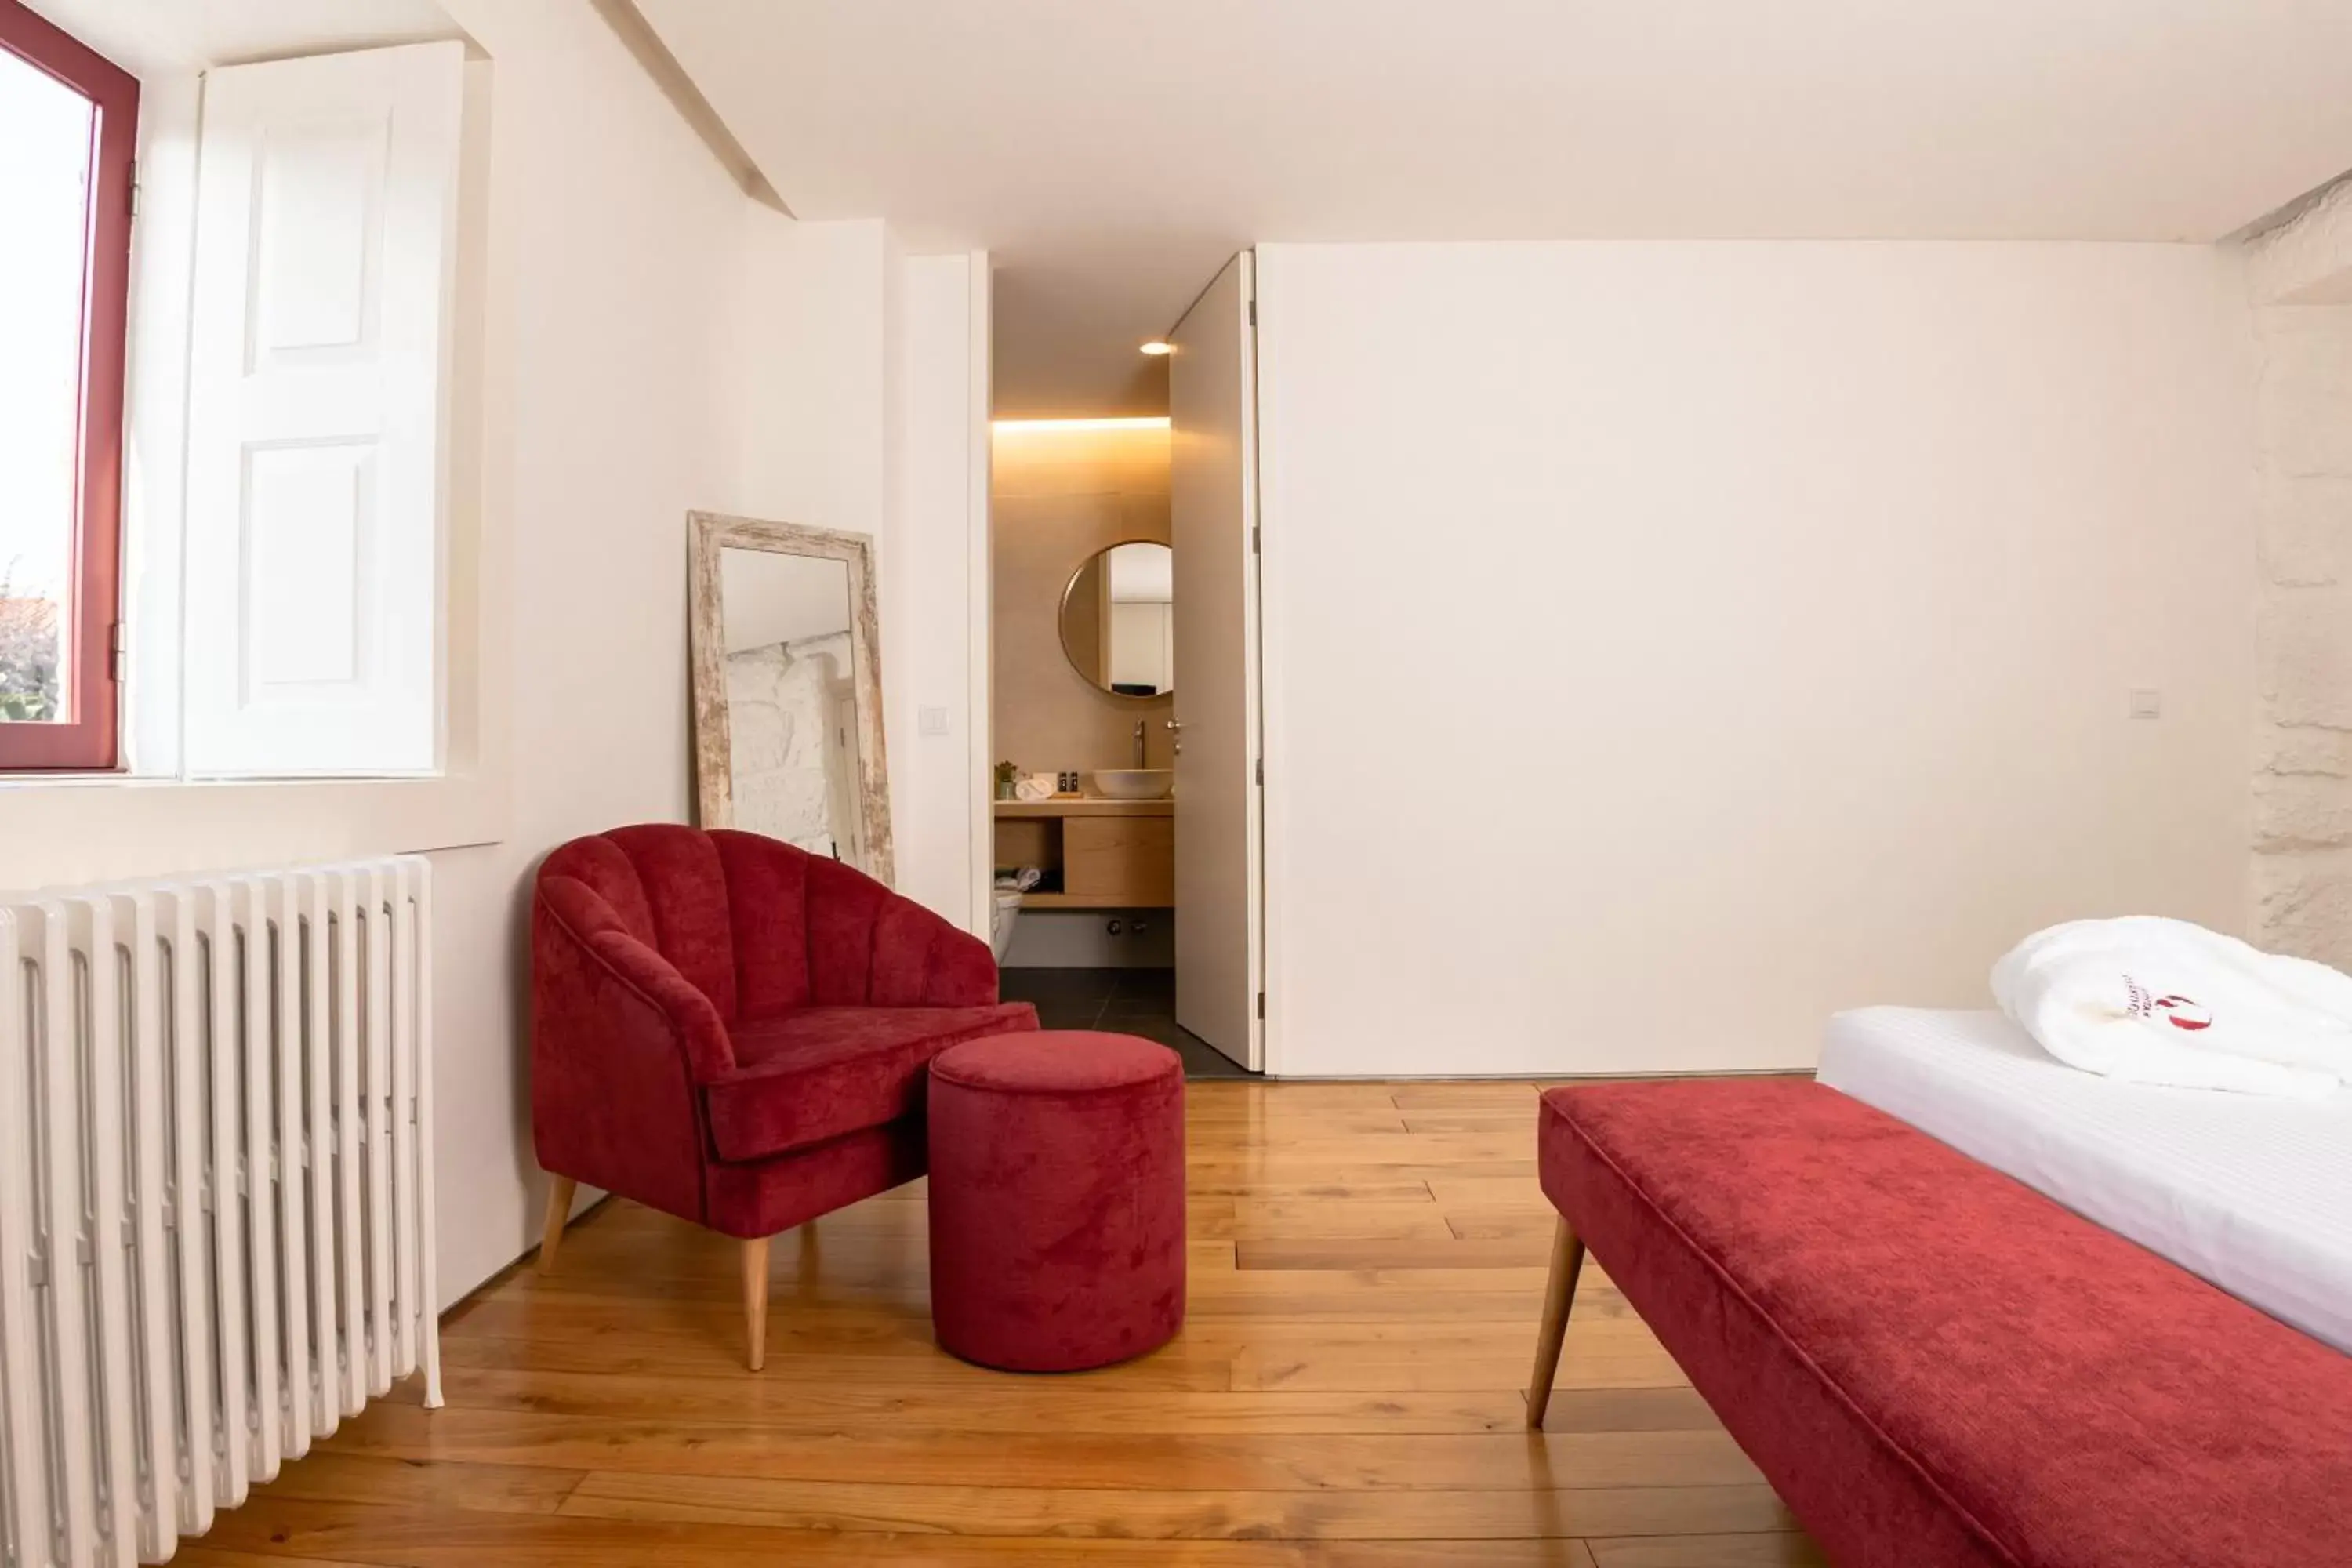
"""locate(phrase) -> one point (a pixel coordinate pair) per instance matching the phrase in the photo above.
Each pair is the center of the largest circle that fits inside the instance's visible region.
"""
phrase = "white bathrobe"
(2159, 1001)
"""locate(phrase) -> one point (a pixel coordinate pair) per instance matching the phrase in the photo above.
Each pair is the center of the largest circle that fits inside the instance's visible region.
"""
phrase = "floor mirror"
(785, 641)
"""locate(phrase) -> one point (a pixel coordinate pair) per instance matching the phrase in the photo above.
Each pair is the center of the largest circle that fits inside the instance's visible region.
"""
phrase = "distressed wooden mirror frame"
(707, 534)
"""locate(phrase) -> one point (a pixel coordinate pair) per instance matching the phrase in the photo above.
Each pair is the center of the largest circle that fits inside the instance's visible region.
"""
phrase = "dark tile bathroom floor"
(1122, 1000)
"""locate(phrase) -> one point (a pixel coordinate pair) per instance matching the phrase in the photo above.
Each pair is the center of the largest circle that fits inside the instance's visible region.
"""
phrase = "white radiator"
(216, 1191)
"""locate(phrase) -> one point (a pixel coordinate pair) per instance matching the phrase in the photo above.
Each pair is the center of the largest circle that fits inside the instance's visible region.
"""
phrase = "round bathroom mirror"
(1118, 620)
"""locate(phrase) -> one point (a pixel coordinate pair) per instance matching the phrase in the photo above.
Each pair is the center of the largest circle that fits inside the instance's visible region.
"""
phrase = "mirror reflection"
(792, 700)
(1118, 620)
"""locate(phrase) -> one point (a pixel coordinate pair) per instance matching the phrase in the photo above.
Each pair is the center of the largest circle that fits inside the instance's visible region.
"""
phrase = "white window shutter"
(326, 213)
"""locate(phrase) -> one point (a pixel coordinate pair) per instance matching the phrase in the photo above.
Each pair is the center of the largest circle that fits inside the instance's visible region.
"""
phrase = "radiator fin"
(216, 1191)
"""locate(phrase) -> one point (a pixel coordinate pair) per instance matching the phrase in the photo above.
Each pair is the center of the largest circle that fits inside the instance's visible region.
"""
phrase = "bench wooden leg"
(1559, 1294)
(755, 1303)
(558, 1214)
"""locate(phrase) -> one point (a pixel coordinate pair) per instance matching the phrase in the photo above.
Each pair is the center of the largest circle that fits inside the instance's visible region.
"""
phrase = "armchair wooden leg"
(559, 1213)
(1559, 1294)
(755, 1303)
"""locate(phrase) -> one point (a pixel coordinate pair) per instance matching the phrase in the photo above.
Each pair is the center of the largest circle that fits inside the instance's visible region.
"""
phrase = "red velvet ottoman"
(1057, 1199)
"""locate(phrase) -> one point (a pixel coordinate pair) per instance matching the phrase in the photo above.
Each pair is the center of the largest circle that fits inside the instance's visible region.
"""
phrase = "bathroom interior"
(1084, 723)
(1127, 803)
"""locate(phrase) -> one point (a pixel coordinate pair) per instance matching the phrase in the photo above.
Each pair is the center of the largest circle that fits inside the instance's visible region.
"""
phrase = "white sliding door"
(1212, 413)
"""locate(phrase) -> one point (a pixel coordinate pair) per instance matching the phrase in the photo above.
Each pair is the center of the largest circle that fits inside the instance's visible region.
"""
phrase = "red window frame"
(87, 738)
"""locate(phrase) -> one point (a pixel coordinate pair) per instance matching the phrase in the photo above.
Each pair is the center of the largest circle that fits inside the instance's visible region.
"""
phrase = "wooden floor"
(1366, 1272)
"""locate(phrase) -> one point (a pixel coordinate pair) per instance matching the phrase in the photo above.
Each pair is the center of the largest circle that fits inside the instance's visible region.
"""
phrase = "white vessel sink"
(1134, 784)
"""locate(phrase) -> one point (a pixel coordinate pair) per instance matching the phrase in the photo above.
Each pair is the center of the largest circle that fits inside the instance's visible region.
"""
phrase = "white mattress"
(2254, 1193)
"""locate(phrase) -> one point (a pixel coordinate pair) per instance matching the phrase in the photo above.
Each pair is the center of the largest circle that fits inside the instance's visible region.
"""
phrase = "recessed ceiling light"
(1156, 347)
(1143, 422)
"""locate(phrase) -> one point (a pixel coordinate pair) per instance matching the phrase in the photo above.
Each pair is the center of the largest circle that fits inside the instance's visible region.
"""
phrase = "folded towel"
(2165, 1002)
(1033, 787)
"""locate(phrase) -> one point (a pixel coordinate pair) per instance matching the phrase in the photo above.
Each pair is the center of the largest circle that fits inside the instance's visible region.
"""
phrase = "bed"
(2254, 1193)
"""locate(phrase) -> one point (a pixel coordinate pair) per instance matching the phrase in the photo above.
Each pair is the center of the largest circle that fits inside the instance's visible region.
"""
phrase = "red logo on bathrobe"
(2181, 1012)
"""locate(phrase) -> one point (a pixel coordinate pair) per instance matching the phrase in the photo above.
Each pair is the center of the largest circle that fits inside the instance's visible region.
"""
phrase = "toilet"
(1000, 918)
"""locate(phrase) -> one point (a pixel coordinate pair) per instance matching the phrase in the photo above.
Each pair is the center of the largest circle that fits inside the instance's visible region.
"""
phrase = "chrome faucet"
(1141, 760)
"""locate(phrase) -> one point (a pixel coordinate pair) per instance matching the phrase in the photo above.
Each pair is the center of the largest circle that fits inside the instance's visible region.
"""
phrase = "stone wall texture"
(2302, 885)
(795, 764)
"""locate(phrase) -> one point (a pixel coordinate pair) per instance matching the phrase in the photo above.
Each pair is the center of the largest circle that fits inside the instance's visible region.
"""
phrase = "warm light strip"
(1158, 422)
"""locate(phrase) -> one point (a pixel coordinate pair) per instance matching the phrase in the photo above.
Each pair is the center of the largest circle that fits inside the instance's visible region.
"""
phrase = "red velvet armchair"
(737, 1032)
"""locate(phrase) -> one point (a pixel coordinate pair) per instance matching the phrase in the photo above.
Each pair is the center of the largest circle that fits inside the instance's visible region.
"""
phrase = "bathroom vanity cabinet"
(1095, 854)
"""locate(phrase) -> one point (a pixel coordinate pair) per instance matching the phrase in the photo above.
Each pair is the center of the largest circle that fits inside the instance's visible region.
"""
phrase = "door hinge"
(1257, 545)
(1261, 770)
(1261, 1003)
(118, 648)
(135, 187)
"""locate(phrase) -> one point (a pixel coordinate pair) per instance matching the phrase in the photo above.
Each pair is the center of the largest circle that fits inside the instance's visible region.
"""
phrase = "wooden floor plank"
(1367, 1263)
(348, 1473)
(1448, 1252)
(202, 1554)
(1036, 1405)
(1489, 1193)
(1764, 1551)
(890, 1507)
(1543, 1552)
(719, 1354)
(271, 1530)
(817, 1451)
(1490, 1225)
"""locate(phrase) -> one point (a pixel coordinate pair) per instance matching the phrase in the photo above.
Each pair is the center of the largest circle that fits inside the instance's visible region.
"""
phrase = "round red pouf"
(1057, 1199)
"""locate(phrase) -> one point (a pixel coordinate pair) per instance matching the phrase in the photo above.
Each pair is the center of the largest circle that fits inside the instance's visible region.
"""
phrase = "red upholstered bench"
(1935, 1365)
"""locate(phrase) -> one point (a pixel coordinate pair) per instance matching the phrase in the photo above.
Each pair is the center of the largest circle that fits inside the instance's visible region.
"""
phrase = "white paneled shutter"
(326, 217)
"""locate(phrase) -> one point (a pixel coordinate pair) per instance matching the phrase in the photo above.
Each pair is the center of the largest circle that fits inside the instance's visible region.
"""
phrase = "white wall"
(673, 347)
(611, 233)
(935, 562)
(808, 384)
(1668, 644)
(854, 406)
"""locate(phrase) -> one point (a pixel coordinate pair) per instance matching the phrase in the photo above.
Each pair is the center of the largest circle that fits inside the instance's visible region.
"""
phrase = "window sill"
(117, 778)
(66, 829)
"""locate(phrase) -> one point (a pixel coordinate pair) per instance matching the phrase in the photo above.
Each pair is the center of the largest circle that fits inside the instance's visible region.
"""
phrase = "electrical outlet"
(2147, 702)
(931, 721)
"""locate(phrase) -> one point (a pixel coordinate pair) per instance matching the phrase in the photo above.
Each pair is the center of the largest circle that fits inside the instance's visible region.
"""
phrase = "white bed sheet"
(2254, 1193)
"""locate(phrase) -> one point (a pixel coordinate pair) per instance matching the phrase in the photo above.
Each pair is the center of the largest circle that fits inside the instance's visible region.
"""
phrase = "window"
(69, 123)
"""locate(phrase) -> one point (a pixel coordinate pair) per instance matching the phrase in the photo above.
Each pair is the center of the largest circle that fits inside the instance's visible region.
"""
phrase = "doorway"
(1127, 803)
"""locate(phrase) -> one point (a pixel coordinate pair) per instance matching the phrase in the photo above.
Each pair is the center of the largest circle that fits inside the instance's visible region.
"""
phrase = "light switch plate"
(931, 721)
(2147, 702)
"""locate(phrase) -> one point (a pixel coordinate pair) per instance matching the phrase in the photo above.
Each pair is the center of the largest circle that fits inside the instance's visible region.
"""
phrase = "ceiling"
(149, 36)
(1112, 154)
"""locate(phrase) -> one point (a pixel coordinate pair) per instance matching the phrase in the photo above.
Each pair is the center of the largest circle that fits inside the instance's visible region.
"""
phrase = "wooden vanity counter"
(1112, 854)
(1083, 806)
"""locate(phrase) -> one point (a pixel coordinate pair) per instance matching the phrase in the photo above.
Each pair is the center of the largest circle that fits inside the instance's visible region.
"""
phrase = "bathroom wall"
(1093, 939)
(1059, 492)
